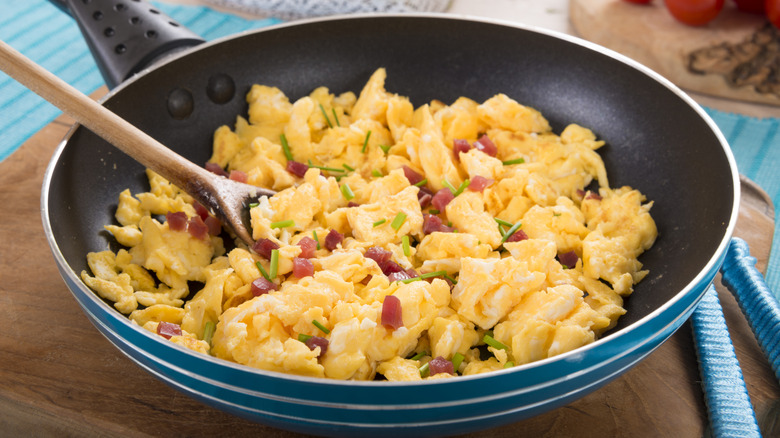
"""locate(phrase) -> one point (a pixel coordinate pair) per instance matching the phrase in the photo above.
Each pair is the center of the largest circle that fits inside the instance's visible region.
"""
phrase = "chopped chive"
(409, 280)
(324, 114)
(283, 224)
(262, 271)
(314, 233)
(556, 214)
(348, 167)
(303, 337)
(254, 204)
(419, 355)
(452, 280)
(399, 220)
(335, 116)
(490, 340)
(433, 211)
(286, 147)
(208, 332)
(274, 268)
(457, 359)
(424, 371)
(503, 222)
(422, 183)
(377, 173)
(405, 246)
(515, 161)
(346, 191)
(509, 364)
(385, 148)
(511, 231)
(365, 142)
(329, 169)
(449, 185)
(379, 222)
(433, 274)
(321, 327)
(501, 230)
(461, 188)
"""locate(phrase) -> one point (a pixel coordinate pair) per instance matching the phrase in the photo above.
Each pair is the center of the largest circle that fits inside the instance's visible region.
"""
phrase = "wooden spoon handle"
(114, 129)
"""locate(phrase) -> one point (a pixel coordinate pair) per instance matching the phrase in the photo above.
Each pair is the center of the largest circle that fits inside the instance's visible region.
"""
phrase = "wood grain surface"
(732, 57)
(61, 378)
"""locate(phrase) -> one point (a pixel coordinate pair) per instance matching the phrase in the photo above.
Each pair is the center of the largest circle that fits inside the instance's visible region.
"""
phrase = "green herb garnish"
(503, 222)
(286, 147)
(208, 332)
(324, 114)
(424, 370)
(409, 280)
(283, 224)
(511, 231)
(449, 185)
(433, 211)
(457, 359)
(274, 268)
(335, 116)
(365, 142)
(303, 337)
(321, 327)
(433, 274)
(348, 167)
(419, 355)
(422, 183)
(314, 233)
(405, 246)
(515, 161)
(491, 341)
(329, 169)
(253, 205)
(262, 271)
(461, 188)
(346, 191)
(399, 220)
(377, 173)
(385, 148)
(509, 364)
(379, 222)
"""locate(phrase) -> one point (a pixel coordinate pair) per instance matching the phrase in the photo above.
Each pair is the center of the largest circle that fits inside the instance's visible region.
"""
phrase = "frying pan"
(657, 140)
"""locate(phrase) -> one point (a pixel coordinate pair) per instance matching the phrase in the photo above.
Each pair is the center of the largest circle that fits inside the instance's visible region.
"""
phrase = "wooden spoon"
(225, 198)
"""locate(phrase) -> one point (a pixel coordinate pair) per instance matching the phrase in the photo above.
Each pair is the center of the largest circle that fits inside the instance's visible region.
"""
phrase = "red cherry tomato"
(773, 11)
(751, 6)
(694, 12)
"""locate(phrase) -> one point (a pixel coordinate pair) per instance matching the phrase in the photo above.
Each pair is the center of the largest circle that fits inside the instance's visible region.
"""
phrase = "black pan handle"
(126, 36)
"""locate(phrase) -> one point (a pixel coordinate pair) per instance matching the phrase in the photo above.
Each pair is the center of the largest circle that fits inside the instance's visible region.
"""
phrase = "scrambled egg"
(387, 250)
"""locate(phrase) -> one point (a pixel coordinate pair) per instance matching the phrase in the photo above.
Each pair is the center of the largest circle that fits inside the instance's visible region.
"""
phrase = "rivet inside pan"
(180, 103)
(221, 88)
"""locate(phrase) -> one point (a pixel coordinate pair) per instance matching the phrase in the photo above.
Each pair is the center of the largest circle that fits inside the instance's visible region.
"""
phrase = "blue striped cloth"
(52, 39)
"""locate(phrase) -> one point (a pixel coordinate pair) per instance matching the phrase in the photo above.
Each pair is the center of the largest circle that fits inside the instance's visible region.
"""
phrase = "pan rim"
(712, 264)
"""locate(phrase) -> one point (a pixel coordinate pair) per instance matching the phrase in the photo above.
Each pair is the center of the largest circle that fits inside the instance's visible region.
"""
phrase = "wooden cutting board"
(61, 378)
(735, 56)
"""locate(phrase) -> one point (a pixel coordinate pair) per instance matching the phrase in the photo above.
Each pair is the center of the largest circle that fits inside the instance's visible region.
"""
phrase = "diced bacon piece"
(296, 168)
(517, 236)
(377, 254)
(486, 145)
(263, 247)
(433, 223)
(479, 183)
(333, 239)
(201, 210)
(302, 267)
(177, 221)
(568, 259)
(592, 195)
(216, 168)
(168, 329)
(262, 286)
(581, 193)
(366, 279)
(238, 176)
(442, 198)
(460, 145)
(390, 267)
(440, 365)
(214, 225)
(308, 246)
(316, 341)
(392, 314)
(352, 204)
(197, 228)
(398, 276)
(425, 200)
(412, 175)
